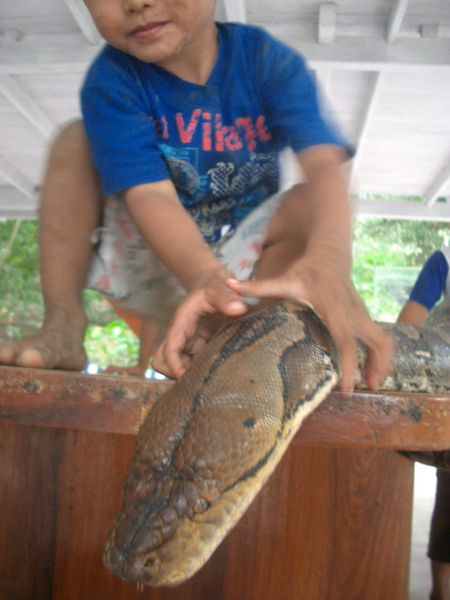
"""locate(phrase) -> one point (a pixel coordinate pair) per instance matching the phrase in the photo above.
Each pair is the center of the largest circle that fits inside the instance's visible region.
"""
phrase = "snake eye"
(201, 505)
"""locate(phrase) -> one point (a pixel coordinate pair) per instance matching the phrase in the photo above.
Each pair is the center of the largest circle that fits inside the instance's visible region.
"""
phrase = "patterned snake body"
(209, 444)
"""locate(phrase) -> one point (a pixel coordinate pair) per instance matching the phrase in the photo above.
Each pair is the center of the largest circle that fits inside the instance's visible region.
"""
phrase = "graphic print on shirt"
(228, 177)
(183, 166)
(245, 132)
(226, 181)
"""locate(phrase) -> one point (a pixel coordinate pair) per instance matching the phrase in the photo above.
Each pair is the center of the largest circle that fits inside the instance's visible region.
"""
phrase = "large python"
(209, 444)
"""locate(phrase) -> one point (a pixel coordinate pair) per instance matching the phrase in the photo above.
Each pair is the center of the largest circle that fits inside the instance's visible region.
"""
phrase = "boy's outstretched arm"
(322, 275)
(176, 240)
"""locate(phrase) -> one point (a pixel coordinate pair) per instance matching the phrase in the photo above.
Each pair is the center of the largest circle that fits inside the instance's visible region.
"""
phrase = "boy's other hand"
(330, 291)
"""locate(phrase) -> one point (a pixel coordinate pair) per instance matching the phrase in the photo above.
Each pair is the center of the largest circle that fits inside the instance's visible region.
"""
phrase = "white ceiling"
(384, 67)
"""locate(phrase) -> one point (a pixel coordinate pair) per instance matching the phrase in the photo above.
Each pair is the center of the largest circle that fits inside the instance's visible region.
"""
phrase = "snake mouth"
(150, 572)
(144, 568)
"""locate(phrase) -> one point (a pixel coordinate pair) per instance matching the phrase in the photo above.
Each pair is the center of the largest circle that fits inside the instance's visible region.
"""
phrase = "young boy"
(185, 119)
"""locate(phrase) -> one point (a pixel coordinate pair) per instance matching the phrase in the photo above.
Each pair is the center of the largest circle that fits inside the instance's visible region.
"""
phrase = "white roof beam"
(429, 31)
(402, 209)
(14, 205)
(396, 20)
(26, 214)
(17, 178)
(437, 188)
(355, 54)
(54, 53)
(235, 10)
(323, 76)
(374, 93)
(327, 23)
(82, 16)
(27, 106)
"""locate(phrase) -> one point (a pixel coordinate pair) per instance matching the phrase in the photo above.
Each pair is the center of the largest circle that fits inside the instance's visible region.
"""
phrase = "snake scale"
(209, 444)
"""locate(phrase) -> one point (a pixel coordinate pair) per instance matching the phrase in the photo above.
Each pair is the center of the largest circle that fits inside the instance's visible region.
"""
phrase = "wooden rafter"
(366, 119)
(16, 178)
(81, 15)
(396, 20)
(52, 54)
(403, 209)
(235, 10)
(327, 23)
(26, 105)
(438, 186)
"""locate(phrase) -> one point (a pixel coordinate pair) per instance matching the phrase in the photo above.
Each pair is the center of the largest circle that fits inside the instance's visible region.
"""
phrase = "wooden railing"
(332, 523)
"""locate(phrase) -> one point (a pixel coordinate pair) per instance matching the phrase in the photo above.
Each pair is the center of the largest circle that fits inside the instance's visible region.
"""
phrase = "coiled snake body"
(209, 444)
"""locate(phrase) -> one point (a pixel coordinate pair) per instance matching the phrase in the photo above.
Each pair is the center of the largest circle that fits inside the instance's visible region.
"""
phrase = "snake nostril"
(149, 563)
(250, 423)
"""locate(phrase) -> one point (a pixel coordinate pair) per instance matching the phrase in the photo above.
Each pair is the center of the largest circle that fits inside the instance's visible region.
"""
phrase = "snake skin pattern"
(438, 319)
(209, 444)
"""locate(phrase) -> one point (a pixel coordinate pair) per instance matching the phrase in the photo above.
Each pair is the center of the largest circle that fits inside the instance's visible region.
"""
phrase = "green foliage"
(387, 258)
(113, 343)
(21, 306)
(400, 243)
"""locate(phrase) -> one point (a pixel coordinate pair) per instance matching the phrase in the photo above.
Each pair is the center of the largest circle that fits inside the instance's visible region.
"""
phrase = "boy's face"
(155, 30)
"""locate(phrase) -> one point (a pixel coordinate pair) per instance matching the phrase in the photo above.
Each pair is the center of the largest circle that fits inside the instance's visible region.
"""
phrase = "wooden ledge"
(118, 404)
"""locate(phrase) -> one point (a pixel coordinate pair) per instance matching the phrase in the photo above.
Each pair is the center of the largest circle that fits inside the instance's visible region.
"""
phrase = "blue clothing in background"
(433, 280)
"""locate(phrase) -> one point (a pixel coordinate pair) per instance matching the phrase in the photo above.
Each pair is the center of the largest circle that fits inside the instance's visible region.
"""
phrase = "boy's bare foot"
(59, 344)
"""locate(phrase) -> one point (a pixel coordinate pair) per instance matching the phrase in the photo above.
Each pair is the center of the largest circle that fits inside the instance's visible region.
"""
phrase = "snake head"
(209, 444)
(155, 538)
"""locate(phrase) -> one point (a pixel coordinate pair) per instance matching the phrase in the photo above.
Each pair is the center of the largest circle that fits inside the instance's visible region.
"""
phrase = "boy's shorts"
(124, 267)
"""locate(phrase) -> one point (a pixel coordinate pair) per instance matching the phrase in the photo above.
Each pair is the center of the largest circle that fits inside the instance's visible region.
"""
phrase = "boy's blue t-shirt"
(219, 143)
(432, 281)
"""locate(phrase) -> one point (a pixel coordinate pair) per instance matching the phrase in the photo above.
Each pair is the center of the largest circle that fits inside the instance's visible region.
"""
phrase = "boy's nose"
(138, 5)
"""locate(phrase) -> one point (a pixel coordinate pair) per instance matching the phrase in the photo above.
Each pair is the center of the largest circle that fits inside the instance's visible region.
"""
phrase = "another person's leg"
(69, 212)
(439, 546)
